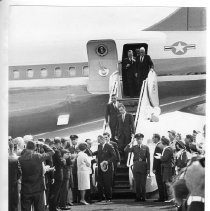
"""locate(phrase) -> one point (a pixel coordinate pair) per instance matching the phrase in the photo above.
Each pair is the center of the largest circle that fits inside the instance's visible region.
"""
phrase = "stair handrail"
(136, 120)
(114, 90)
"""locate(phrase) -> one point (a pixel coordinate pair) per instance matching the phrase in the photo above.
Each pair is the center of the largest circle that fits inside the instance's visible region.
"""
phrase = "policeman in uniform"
(141, 165)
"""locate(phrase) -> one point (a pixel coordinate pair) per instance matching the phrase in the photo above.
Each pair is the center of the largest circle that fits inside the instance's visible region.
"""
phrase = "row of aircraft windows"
(57, 72)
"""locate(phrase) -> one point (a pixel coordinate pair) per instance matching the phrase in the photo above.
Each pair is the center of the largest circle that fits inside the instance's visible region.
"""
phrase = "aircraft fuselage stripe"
(179, 101)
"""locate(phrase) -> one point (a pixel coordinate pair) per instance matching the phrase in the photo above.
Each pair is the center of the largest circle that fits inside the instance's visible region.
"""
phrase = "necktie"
(141, 58)
(123, 117)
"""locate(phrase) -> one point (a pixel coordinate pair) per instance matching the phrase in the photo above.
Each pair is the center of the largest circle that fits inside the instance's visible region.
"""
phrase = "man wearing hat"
(143, 66)
(167, 161)
(141, 165)
(74, 183)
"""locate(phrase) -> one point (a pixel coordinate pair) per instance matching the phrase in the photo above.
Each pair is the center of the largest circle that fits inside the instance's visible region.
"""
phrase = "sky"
(50, 34)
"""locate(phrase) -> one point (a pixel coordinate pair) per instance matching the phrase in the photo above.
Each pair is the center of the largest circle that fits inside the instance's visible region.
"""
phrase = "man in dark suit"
(111, 115)
(105, 154)
(32, 186)
(74, 182)
(143, 66)
(141, 165)
(129, 69)
(114, 144)
(58, 162)
(167, 160)
(125, 127)
(157, 166)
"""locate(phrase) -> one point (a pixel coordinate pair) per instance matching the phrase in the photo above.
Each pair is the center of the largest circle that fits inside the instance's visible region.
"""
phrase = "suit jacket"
(111, 114)
(157, 162)
(167, 158)
(32, 170)
(14, 173)
(58, 162)
(142, 68)
(107, 154)
(73, 150)
(129, 72)
(125, 127)
(141, 159)
(114, 144)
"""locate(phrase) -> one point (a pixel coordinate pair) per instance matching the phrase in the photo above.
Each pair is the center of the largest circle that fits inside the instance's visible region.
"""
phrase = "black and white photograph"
(106, 107)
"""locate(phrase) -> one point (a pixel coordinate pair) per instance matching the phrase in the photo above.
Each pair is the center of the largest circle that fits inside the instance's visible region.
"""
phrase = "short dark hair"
(190, 137)
(73, 137)
(156, 135)
(87, 139)
(48, 141)
(63, 140)
(57, 140)
(82, 146)
(100, 137)
(30, 145)
(139, 135)
(165, 141)
(106, 134)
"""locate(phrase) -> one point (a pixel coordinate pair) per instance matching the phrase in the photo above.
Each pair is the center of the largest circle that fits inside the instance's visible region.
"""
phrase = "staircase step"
(123, 191)
(121, 186)
(116, 182)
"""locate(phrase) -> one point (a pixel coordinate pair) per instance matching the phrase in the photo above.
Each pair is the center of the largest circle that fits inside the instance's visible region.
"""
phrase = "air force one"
(176, 45)
(47, 98)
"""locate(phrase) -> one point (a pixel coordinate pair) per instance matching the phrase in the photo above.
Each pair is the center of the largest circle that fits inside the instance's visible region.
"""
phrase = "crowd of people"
(46, 172)
(174, 159)
(58, 173)
(43, 172)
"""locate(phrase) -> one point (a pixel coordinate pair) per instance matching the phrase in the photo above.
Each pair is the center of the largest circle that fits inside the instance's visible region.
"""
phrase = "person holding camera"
(32, 186)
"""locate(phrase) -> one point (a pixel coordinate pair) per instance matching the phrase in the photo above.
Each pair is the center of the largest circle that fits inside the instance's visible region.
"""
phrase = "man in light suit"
(105, 153)
(157, 166)
(125, 127)
(111, 115)
(129, 69)
(141, 165)
(143, 66)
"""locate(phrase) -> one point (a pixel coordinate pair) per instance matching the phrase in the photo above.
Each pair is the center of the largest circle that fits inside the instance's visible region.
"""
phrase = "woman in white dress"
(83, 171)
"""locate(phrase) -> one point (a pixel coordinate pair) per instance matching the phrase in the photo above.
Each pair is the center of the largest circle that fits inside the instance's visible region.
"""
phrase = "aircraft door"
(102, 62)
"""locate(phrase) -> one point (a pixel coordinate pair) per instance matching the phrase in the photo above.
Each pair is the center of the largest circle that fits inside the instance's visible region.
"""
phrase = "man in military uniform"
(141, 165)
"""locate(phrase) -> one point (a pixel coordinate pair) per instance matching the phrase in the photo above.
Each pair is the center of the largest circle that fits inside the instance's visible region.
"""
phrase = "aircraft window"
(30, 73)
(72, 71)
(85, 71)
(58, 72)
(16, 74)
(44, 72)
